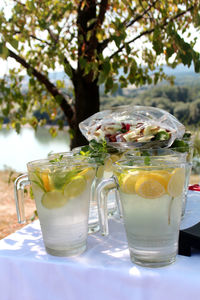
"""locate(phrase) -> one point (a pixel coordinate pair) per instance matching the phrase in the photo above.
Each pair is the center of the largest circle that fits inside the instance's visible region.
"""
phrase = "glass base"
(66, 252)
(152, 262)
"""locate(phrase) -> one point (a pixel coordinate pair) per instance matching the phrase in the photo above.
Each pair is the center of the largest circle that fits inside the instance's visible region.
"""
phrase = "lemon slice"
(108, 165)
(46, 182)
(89, 173)
(114, 157)
(75, 187)
(176, 182)
(100, 171)
(151, 186)
(53, 199)
(127, 182)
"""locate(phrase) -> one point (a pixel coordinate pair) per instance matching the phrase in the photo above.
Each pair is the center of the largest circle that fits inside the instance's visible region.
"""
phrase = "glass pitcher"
(61, 191)
(151, 192)
(103, 163)
(186, 153)
(188, 150)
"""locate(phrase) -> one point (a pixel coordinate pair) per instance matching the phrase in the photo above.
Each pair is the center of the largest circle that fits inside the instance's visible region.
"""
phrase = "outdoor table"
(104, 271)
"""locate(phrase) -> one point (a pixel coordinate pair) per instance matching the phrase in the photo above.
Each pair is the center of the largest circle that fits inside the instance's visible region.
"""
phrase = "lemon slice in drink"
(46, 182)
(89, 173)
(75, 187)
(114, 157)
(151, 186)
(108, 165)
(53, 199)
(128, 181)
(100, 171)
(176, 182)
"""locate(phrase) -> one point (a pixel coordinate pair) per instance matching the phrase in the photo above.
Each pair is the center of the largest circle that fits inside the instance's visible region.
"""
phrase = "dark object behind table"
(189, 238)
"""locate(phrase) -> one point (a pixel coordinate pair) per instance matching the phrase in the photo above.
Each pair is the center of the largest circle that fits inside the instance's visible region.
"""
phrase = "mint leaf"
(162, 136)
(59, 179)
(57, 159)
(180, 146)
(147, 160)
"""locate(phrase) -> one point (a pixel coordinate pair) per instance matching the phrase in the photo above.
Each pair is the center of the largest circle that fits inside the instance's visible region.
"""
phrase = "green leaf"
(17, 127)
(60, 179)
(30, 71)
(162, 136)
(92, 21)
(147, 160)
(128, 49)
(14, 43)
(102, 78)
(4, 52)
(157, 41)
(60, 84)
(106, 67)
(60, 124)
(197, 66)
(117, 40)
(109, 84)
(114, 88)
(32, 81)
(82, 62)
(156, 78)
(68, 70)
(59, 99)
(96, 151)
(180, 146)
(53, 132)
(30, 4)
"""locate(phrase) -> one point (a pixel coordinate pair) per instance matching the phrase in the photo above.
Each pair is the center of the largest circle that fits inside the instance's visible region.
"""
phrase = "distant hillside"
(181, 99)
(181, 73)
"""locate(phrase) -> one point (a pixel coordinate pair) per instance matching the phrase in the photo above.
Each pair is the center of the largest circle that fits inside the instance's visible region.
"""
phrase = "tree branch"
(66, 108)
(93, 43)
(102, 12)
(146, 32)
(139, 17)
(53, 36)
(18, 2)
(101, 46)
(35, 38)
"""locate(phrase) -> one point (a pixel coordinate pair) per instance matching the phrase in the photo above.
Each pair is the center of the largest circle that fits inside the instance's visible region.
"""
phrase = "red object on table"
(194, 187)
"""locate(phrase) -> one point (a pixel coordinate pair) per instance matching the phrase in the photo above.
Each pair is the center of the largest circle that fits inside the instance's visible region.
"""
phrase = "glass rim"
(65, 162)
(98, 153)
(169, 151)
(139, 161)
(64, 153)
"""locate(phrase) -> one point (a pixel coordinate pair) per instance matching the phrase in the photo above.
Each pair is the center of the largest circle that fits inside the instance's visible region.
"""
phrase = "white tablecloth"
(104, 271)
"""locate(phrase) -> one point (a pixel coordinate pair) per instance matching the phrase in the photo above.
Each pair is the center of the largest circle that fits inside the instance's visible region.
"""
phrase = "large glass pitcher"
(151, 191)
(61, 191)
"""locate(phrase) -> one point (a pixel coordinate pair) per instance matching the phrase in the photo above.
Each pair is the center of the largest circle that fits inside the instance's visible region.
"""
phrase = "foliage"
(97, 152)
(181, 101)
(91, 40)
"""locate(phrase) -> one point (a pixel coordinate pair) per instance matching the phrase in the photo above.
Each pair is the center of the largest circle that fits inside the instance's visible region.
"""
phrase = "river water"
(18, 149)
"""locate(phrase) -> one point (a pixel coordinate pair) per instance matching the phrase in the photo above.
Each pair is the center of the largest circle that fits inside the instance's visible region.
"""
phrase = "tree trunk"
(86, 104)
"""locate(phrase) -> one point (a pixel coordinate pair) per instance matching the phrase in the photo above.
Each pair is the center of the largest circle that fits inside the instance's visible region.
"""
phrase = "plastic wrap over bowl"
(133, 125)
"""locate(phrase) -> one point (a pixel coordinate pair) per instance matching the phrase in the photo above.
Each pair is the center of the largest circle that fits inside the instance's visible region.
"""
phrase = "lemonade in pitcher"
(151, 199)
(61, 191)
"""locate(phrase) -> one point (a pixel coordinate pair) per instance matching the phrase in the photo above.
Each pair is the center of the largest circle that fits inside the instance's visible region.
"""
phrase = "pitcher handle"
(103, 189)
(20, 183)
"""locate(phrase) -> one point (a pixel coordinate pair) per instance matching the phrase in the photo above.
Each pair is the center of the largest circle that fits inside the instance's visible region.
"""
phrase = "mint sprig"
(180, 146)
(57, 159)
(95, 151)
(162, 136)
